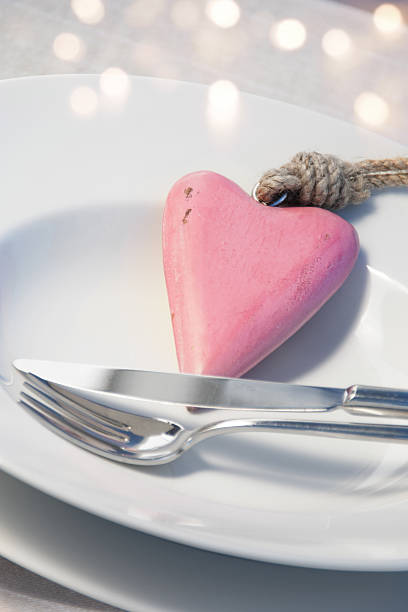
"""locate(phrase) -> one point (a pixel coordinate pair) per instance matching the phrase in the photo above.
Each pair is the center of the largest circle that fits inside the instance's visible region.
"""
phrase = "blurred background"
(347, 59)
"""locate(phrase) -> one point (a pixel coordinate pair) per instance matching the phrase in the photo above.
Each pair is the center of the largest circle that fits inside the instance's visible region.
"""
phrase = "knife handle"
(376, 401)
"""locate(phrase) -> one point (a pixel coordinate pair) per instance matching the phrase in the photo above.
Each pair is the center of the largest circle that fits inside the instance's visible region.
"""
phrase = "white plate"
(81, 280)
(135, 571)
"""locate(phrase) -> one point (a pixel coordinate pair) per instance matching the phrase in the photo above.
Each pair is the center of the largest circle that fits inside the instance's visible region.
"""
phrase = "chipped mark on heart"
(185, 218)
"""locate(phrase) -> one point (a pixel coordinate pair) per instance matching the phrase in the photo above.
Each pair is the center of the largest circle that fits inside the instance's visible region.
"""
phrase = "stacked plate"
(83, 181)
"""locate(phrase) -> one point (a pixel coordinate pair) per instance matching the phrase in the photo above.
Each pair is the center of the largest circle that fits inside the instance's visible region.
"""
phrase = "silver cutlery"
(148, 418)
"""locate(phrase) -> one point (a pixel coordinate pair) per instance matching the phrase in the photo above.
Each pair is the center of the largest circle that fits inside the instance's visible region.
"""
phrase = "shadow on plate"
(321, 335)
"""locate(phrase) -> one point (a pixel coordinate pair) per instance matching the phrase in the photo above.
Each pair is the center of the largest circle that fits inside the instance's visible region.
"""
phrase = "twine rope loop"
(317, 179)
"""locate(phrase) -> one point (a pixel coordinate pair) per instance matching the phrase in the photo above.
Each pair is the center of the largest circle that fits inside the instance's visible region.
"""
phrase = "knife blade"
(184, 389)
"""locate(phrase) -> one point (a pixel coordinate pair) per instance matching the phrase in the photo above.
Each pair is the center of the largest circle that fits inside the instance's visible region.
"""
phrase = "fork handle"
(376, 401)
(355, 431)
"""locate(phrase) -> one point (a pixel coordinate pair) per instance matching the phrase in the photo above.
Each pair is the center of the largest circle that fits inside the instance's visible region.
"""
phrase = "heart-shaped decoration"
(242, 277)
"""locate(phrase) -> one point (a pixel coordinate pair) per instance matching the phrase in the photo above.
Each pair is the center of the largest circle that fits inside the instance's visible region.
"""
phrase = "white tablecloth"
(142, 38)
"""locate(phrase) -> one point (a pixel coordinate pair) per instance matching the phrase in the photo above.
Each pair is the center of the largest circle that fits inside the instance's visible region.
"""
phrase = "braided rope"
(316, 179)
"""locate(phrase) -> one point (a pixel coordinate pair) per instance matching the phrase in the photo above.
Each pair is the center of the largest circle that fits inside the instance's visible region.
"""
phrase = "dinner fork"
(145, 418)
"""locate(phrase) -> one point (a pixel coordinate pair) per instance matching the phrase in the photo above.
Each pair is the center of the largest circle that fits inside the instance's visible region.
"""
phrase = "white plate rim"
(254, 584)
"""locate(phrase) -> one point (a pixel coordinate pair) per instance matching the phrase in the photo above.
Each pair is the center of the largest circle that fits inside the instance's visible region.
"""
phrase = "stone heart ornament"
(242, 277)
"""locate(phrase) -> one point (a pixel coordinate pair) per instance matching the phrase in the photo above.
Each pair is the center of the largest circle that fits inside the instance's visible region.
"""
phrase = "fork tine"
(72, 404)
(100, 412)
(60, 425)
(59, 406)
(108, 416)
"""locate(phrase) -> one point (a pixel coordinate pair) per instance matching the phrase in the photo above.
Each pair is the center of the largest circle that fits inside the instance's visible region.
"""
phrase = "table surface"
(145, 37)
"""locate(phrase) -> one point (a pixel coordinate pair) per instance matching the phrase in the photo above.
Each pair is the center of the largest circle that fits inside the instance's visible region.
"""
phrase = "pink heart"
(242, 277)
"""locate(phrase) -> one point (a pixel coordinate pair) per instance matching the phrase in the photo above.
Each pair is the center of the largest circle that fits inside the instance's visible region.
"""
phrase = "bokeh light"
(371, 109)
(224, 13)
(185, 14)
(115, 83)
(288, 34)
(68, 47)
(84, 101)
(336, 43)
(388, 18)
(88, 11)
(223, 94)
(143, 13)
(223, 103)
